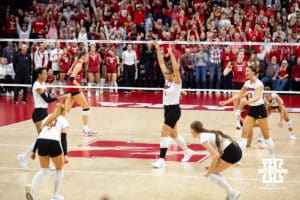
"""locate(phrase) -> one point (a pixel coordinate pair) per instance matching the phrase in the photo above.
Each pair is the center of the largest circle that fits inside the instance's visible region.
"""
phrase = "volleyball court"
(115, 163)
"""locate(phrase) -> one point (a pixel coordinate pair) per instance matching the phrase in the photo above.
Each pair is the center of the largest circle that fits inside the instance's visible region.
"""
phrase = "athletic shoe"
(16, 102)
(89, 133)
(24, 102)
(234, 195)
(57, 197)
(187, 155)
(23, 161)
(260, 143)
(159, 163)
(29, 193)
(293, 136)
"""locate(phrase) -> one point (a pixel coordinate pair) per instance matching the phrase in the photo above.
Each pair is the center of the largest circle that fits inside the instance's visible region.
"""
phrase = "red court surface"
(120, 149)
(11, 113)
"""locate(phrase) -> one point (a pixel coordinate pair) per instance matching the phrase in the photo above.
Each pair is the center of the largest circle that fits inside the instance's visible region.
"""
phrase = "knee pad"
(86, 111)
(164, 142)
(289, 124)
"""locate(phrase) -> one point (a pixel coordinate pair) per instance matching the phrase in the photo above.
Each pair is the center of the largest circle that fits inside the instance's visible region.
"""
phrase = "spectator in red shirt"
(139, 18)
(39, 26)
(11, 26)
(283, 76)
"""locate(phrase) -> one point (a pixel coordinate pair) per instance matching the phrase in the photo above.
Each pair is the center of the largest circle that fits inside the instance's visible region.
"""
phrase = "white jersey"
(54, 55)
(171, 93)
(211, 138)
(54, 133)
(39, 102)
(251, 91)
(273, 102)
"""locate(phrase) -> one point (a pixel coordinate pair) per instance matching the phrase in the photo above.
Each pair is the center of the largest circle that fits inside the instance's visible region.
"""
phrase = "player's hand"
(66, 159)
(222, 103)
(32, 156)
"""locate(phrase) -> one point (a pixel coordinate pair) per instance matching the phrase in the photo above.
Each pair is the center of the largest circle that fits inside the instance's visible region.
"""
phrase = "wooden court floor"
(130, 179)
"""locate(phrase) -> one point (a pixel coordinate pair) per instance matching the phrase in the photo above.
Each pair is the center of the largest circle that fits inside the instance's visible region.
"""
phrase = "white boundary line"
(4, 168)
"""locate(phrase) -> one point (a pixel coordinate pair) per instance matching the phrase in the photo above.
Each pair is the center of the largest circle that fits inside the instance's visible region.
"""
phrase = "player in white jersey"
(41, 100)
(172, 112)
(224, 151)
(51, 144)
(274, 102)
(253, 88)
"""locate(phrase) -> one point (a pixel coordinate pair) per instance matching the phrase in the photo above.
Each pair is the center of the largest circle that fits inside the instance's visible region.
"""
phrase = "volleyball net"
(205, 66)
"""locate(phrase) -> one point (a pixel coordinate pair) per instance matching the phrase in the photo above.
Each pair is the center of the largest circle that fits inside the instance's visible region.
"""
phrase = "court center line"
(82, 148)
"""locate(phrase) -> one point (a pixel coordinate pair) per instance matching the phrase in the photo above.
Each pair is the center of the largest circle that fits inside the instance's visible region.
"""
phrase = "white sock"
(116, 86)
(102, 82)
(111, 85)
(217, 178)
(58, 180)
(243, 143)
(86, 128)
(271, 146)
(28, 151)
(38, 177)
(238, 113)
(181, 142)
(89, 86)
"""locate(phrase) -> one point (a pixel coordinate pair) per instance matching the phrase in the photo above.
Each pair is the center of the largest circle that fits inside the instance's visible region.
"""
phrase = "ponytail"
(36, 74)
(59, 109)
(198, 127)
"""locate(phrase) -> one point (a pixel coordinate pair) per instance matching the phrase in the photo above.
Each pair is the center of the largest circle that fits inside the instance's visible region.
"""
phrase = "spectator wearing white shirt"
(54, 55)
(7, 75)
(129, 66)
(41, 57)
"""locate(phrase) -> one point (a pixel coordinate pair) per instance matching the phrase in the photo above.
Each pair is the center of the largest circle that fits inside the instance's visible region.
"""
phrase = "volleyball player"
(172, 112)
(51, 144)
(224, 151)
(112, 62)
(274, 102)
(64, 61)
(75, 75)
(93, 69)
(253, 88)
(238, 69)
(41, 100)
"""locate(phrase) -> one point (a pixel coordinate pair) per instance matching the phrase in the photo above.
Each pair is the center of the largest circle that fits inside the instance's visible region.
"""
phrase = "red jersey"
(11, 27)
(38, 26)
(111, 64)
(239, 72)
(64, 64)
(78, 78)
(94, 62)
(50, 79)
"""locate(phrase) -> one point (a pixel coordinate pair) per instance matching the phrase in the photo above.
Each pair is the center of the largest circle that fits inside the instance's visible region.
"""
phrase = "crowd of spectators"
(168, 20)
